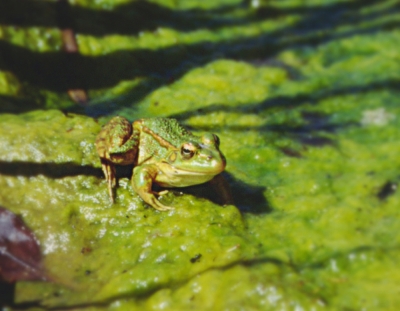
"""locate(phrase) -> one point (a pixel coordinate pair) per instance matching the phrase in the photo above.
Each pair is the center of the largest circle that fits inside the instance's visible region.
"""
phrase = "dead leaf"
(20, 256)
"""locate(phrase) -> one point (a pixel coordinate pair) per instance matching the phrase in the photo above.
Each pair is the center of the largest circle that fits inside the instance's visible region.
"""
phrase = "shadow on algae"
(240, 191)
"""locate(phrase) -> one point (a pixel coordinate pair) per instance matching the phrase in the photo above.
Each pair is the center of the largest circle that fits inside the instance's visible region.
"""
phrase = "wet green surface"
(304, 97)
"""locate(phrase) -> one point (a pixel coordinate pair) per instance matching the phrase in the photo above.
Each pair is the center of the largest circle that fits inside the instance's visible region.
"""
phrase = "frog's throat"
(164, 143)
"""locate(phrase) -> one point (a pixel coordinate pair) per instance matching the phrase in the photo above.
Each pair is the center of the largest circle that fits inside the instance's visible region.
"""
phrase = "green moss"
(304, 97)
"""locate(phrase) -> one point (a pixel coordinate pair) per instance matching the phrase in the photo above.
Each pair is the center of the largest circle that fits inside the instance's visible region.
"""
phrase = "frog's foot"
(111, 189)
(109, 172)
(150, 199)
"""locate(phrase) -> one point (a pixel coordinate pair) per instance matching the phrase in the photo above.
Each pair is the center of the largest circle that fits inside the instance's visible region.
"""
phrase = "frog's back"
(168, 129)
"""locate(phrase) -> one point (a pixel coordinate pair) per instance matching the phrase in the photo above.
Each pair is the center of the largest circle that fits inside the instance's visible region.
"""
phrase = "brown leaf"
(20, 256)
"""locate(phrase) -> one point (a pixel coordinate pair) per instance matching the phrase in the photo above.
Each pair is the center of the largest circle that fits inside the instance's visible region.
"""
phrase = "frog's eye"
(187, 151)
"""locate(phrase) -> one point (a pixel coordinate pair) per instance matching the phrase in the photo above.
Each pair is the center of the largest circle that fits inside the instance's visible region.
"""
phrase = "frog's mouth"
(211, 170)
(179, 171)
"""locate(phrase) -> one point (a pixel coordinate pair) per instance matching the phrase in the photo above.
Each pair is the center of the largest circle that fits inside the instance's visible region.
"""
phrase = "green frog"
(162, 152)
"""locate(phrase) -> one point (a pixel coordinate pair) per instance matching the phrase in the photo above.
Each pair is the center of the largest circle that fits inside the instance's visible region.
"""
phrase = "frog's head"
(199, 156)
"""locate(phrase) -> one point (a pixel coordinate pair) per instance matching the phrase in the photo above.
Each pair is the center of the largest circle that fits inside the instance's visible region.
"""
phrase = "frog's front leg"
(142, 181)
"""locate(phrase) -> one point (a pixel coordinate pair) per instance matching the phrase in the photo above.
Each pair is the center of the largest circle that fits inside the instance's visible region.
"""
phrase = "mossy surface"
(304, 97)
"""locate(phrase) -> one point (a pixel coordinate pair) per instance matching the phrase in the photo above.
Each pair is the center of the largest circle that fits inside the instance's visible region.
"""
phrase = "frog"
(162, 152)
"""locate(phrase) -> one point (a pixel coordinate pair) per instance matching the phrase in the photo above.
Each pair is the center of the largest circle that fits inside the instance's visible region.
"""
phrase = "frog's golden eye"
(187, 151)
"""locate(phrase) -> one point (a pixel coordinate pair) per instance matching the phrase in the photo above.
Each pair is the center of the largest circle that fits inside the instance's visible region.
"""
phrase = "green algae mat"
(304, 96)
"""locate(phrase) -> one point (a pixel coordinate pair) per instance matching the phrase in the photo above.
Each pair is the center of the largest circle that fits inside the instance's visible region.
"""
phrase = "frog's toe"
(161, 207)
(150, 199)
(164, 192)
